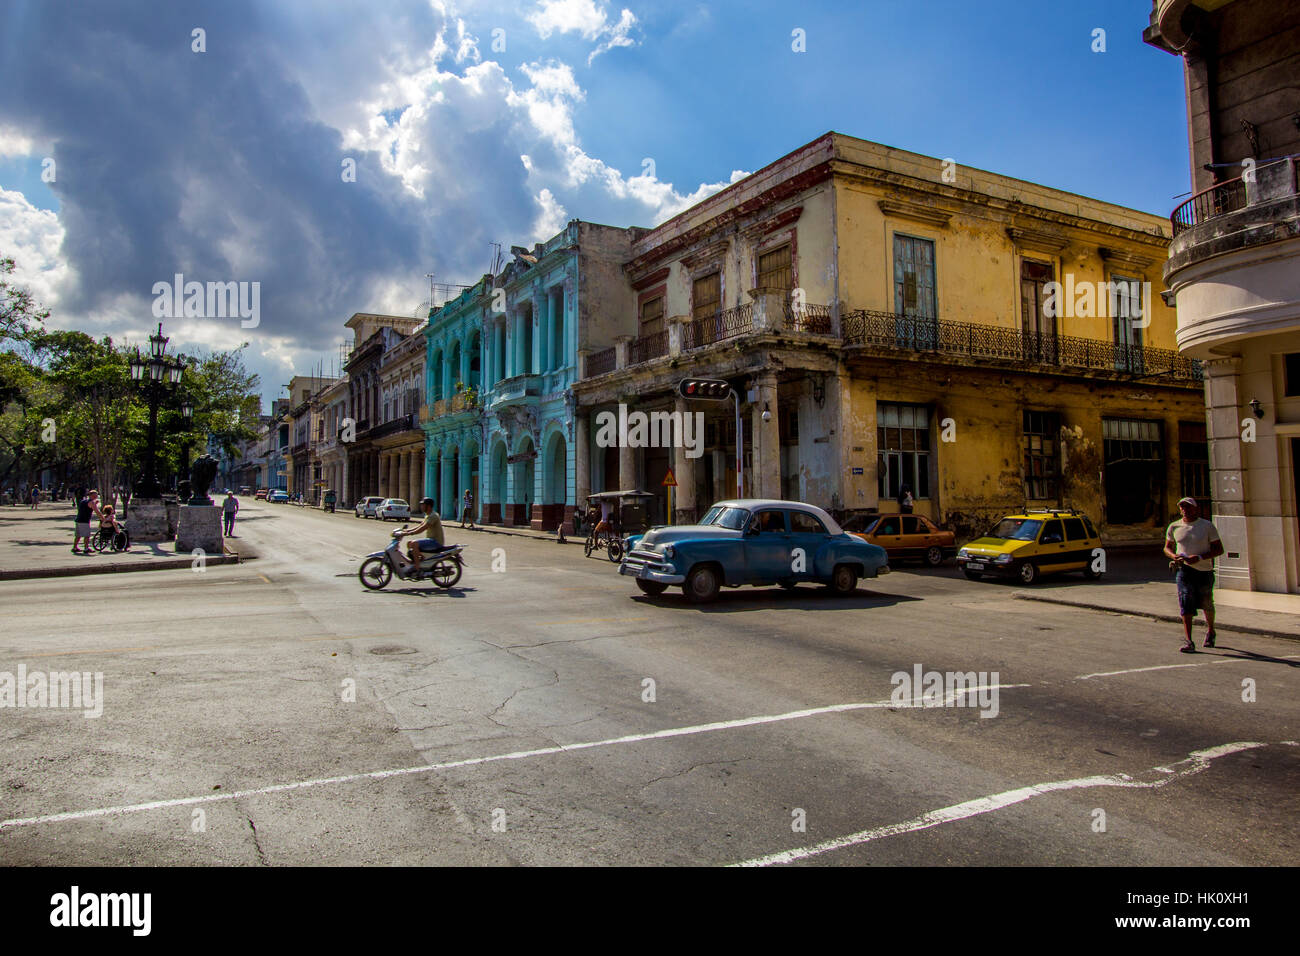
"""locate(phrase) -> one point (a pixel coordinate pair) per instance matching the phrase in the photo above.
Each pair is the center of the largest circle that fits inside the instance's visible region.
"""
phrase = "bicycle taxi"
(612, 516)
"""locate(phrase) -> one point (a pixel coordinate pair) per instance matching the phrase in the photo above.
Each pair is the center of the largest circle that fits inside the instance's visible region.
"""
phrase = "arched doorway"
(469, 478)
(555, 481)
(523, 474)
(497, 477)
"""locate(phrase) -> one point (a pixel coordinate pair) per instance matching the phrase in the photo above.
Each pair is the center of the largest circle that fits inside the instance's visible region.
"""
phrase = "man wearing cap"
(1192, 544)
(87, 506)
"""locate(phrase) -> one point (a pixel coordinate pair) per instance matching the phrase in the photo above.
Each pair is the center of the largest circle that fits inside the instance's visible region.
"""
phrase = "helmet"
(426, 501)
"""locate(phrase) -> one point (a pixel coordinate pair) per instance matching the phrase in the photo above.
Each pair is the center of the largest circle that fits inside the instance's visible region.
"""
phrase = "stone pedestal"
(200, 529)
(146, 520)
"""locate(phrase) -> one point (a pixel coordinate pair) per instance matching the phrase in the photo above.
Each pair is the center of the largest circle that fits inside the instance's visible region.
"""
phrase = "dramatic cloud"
(583, 17)
(333, 153)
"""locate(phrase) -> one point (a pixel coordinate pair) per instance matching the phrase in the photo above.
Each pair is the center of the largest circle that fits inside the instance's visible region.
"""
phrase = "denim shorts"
(1195, 590)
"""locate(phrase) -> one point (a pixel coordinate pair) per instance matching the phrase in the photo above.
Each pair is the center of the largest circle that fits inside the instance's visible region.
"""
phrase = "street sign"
(670, 480)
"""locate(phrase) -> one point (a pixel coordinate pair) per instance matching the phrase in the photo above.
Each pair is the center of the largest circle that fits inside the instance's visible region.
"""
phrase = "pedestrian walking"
(467, 509)
(229, 508)
(36, 497)
(905, 499)
(1191, 544)
(86, 507)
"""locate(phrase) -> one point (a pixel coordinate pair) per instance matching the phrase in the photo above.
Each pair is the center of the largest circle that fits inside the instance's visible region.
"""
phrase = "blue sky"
(224, 164)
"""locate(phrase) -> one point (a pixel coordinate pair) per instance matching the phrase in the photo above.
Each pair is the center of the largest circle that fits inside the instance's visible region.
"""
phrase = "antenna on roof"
(497, 259)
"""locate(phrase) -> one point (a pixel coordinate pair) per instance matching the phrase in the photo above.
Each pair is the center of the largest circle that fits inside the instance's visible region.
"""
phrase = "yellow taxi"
(1025, 546)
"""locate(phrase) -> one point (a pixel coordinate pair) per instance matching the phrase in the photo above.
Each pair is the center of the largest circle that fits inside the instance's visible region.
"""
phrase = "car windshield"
(731, 518)
(1016, 529)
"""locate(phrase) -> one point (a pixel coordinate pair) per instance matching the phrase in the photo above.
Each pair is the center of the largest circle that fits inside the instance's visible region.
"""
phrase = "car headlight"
(963, 553)
(1003, 559)
(668, 551)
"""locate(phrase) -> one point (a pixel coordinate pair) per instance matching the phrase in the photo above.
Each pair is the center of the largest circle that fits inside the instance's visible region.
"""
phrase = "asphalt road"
(510, 720)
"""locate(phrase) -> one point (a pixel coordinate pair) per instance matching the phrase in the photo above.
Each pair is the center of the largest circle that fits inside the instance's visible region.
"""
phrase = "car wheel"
(844, 579)
(1027, 572)
(652, 588)
(375, 573)
(974, 575)
(934, 556)
(701, 585)
(1090, 574)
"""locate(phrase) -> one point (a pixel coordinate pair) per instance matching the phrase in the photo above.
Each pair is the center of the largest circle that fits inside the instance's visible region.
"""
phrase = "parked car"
(393, 508)
(245, 490)
(1034, 543)
(905, 536)
(751, 541)
(278, 497)
(261, 494)
(367, 507)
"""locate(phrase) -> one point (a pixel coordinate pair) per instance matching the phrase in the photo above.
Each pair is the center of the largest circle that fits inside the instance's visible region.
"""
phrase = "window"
(804, 523)
(1134, 470)
(652, 315)
(1038, 326)
(903, 439)
(914, 293)
(1126, 312)
(912, 525)
(775, 269)
(1052, 533)
(770, 522)
(1042, 455)
(706, 295)
(1291, 364)
(1074, 529)
(888, 526)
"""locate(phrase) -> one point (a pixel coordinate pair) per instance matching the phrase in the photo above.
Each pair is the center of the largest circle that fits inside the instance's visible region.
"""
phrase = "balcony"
(648, 347)
(719, 327)
(399, 424)
(516, 389)
(602, 362)
(886, 331)
(1219, 200)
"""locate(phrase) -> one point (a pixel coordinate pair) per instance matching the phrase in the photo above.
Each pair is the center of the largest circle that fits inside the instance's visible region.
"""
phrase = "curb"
(162, 564)
(1152, 615)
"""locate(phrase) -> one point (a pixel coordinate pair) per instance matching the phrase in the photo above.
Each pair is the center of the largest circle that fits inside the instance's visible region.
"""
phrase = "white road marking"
(473, 761)
(1196, 761)
(1169, 667)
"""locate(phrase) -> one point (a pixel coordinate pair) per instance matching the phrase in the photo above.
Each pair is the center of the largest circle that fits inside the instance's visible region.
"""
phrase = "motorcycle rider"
(432, 528)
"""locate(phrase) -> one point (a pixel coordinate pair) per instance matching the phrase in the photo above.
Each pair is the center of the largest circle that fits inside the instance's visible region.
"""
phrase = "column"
(581, 459)
(767, 440)
(447, 487)
(417, 486)
(626, 469)
(403, 476)
(542, 338)
(684, 465)
(1228, 478)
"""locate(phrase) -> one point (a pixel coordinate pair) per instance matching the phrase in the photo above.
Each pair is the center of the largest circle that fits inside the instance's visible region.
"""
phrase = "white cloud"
(14, 143)
(32, 237)
(551, 219)
(585, 18)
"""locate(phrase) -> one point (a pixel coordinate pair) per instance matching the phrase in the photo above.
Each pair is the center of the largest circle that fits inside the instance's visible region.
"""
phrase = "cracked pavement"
(267, 701)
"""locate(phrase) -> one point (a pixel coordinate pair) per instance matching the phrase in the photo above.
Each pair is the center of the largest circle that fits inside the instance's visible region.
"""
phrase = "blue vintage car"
(752, 541)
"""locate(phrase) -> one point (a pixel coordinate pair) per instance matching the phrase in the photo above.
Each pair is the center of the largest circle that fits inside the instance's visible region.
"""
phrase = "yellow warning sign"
(670, 480)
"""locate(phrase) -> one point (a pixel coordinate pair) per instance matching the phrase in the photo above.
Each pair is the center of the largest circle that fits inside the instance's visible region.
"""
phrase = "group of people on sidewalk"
(104, 517)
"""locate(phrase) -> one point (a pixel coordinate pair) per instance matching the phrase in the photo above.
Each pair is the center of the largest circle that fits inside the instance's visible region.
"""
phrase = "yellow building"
(897, 320)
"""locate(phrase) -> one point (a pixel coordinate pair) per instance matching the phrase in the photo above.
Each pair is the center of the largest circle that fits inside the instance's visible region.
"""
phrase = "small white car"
(367, 507)
(393, 509)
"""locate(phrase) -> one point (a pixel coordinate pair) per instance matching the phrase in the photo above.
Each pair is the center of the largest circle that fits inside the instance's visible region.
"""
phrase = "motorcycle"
(443, 567)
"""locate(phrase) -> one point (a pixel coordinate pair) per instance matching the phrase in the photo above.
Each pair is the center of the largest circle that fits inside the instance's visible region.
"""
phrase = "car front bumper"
(646, 566)
(988, 566)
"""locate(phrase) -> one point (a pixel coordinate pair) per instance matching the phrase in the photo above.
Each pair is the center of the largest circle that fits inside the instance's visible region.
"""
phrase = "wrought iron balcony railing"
(808, 318)
(718, 327)
(885, 330)
(602, 362)
(1218, 200)
(648, 347)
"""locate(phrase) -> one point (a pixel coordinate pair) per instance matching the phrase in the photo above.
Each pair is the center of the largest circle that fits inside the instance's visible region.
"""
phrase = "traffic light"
(706, 389)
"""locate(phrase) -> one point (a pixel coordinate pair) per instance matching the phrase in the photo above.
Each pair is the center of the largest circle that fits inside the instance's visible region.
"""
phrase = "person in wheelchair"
(432, 530)
(111, 532)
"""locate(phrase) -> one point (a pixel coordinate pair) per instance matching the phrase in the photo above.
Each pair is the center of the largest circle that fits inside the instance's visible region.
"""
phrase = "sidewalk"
(38, 544)
(1245, 612)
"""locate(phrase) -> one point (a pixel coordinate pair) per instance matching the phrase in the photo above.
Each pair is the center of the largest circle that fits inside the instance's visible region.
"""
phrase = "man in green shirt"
(431, 528)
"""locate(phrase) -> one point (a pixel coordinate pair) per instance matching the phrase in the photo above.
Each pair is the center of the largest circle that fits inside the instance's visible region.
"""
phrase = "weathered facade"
(890, 321)
(1234, 268)
(374, 336)
(564, 296)
(398, 437)
(453, 425)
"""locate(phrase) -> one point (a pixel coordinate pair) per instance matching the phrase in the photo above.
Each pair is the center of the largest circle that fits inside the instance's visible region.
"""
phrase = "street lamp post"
(160, 375)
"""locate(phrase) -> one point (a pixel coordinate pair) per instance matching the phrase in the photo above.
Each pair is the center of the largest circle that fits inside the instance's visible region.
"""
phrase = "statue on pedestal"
(201, 475)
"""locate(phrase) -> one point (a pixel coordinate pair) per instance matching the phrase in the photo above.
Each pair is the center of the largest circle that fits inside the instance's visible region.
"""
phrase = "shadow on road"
(1243, 655)
(760, 599)
(456, 592)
